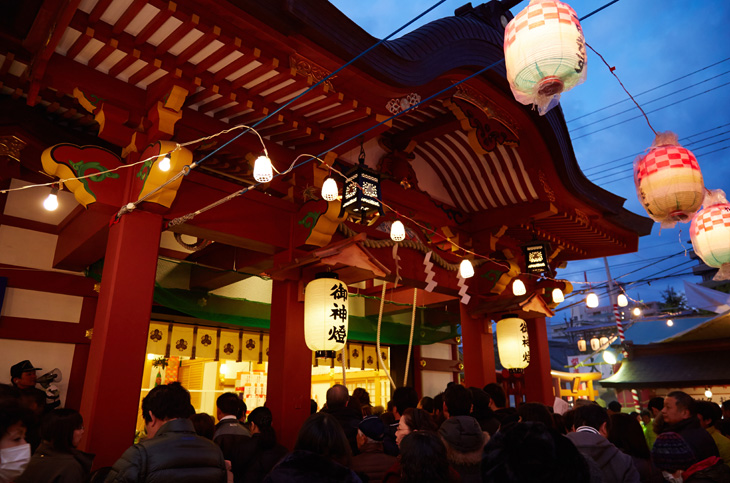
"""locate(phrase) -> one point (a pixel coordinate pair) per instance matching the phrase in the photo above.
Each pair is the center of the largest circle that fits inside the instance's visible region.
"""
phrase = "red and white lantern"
(669, 181)
(544, 53)
(710, 233)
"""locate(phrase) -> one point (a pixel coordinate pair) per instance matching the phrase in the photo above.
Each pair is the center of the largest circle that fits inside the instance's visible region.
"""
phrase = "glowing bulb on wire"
(636, 311)
(670, 322)
(466, 269)
(592, 301)
(262, 170)
(329, 189)
(708, 393)
(398, 233)
(609, 357)
(558, 296)
(622, 300)
(518, 287)
(164, 164)
(51, 203)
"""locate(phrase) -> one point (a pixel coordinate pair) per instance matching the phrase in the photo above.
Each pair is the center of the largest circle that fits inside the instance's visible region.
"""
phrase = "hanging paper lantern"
(518, 287)
(669, 181)
(622, 300)
(595, 343)
(329, 189)
(325, 314)
(558, 296)
(592, 300)
(603, 341)
(513, 342)
(581, 344)
(710, 233)
(545, 53)
(397, 231)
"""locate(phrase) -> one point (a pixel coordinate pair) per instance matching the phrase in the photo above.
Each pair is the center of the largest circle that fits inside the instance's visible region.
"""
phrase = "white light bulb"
(592, 300)
(466, 269)
(398, 232)
(636, 311)
(622, 300)
(518, 287)
(670, 322)
(609, 357)
(223, 369)
(329, 189)
(164, 164)
(150, 357)
(51, 203)
(708, 393)
(558, 296)
(262, 171)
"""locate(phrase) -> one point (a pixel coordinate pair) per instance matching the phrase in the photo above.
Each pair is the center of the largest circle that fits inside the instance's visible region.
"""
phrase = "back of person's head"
(569, 420)
(496, 392)
(480, 401)
(710, 411)
(726, 405)
(645, 413)
(362, 396)
(337, 397)
(683, 401)
(626, 434)
(418, 420)
(11, 413)
(464, 440)
(671, 453)
(167, 401)
(457, 400)
(656, 403)
(322, 434)
(591, 415)
(229, 404)
(263, 418)
(404, 398)
(615, 406)
(58, 428)
(559, 423)
(204, 425)
(536, 412)
(33, 399)
(312, 406)
(426, 403)
(438, 402)
(8, 392)
(531, 452)
(423, 458)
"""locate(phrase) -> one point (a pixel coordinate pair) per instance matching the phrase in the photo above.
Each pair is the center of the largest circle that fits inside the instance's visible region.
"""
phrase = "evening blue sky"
(650, 42)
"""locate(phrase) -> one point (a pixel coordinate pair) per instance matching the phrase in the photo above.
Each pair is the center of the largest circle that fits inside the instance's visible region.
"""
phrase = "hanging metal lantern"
(545, 53)
(362, 191)
(710, 233)
(582, 344)
(513, 342)
(668, 181)
(536, 257)
(325, 314)
(595, 343)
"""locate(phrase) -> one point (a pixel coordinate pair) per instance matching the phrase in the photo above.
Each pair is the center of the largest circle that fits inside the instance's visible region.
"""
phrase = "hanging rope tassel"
(377, 339)
(410, 340)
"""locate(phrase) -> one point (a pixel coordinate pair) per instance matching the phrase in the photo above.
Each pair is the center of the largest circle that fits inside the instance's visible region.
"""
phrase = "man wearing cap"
(23, 376)
(464, 441)
(372, 461)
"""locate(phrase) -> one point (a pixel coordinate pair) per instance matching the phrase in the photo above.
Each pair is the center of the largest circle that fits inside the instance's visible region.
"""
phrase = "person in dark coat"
(626, 434)
(57, 460)
(372, 461)
(338, 400)
(674, 457)
(321, 454)
(255, 457)
(172, 452)
(403, 398)
(422, 459)
(229, 432)
(679, 417)
(464, 441)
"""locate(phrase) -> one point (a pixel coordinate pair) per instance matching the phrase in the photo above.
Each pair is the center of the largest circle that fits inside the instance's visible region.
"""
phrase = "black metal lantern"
(536, 257)
(362, 191)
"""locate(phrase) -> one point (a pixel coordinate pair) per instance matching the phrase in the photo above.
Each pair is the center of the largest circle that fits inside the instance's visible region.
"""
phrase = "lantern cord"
(613, 72)
(410, 340)
(344, 370)
(377, 338)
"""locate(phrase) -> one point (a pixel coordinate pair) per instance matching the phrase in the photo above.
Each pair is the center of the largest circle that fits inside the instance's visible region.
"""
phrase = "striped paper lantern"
(544, 53)
(710, 233)
(669, 181)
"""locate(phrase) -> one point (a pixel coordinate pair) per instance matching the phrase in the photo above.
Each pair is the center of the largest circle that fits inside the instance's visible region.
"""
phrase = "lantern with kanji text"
(710, 233)
(325, 314)
(668, 181)
(513, 342)
(545, 53)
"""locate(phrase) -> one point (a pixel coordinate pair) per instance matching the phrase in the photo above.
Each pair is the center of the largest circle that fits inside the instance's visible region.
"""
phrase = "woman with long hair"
(57, 460)
(256, 455)
(626, 434)
(414, 420)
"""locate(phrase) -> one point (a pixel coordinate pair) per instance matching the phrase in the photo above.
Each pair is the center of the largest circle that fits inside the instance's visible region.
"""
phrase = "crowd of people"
(464, 434)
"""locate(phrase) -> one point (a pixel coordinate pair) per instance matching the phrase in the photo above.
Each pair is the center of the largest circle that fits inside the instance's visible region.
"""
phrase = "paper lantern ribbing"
(669, 181)
(325, 314)
(513, 342)
(710, 233)
(545, 53)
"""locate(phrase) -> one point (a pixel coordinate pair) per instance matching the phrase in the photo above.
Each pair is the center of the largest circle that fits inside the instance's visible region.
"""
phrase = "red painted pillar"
(478, 342)
(110, 401)
(289, 384)
(538, 381)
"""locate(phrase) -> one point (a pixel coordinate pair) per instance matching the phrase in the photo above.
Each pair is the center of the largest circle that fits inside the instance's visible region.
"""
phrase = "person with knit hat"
(678, 464)
(372, 460)
(464, 441)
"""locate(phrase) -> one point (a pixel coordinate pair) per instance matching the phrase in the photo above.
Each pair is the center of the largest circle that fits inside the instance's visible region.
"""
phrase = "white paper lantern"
(262, 171)
(622, 300)
(518, 287)
(710, 233)
(592, 300)
(513, 342)
(397, 231)
(603, 341)
(581, 344)
(326, 314)
(558, 296)
(329, 189)
(595, 343)
(466, 269)
(544, 52)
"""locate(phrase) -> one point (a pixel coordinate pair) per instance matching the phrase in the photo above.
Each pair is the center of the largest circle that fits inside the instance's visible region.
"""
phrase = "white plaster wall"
(435, 382)
(32, 304)
(27, 248)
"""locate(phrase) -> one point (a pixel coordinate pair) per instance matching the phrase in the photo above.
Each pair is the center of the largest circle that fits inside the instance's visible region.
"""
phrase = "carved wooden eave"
(526, 307)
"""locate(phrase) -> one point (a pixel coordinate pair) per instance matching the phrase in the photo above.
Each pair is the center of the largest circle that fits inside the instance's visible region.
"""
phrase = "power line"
(650, 112)
(649, 90)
